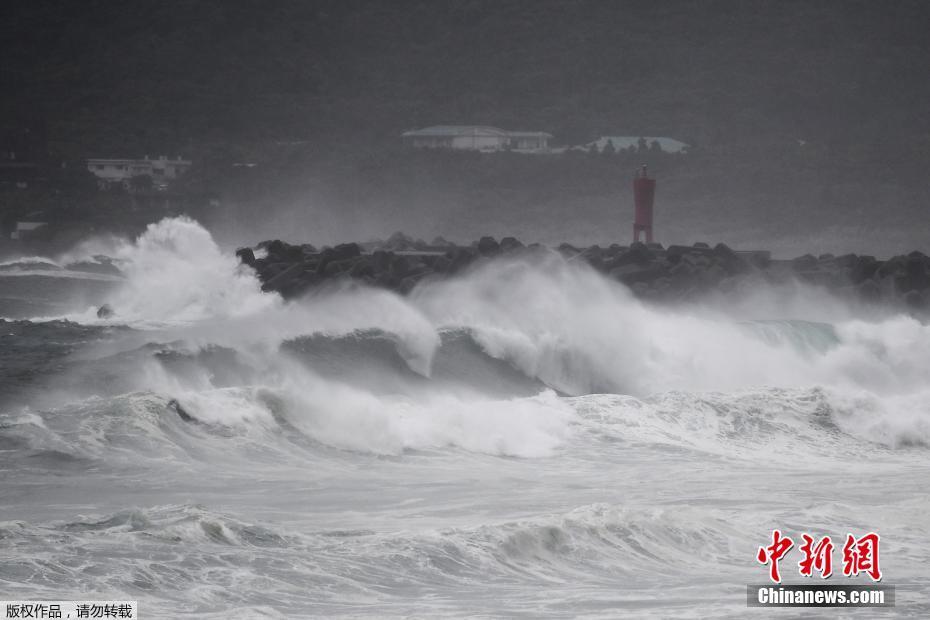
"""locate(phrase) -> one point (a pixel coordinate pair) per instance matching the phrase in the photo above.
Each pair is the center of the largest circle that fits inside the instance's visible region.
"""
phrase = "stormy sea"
(526, 439)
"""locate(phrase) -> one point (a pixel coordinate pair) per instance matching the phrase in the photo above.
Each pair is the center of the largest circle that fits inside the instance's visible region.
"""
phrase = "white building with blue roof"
(477, 138)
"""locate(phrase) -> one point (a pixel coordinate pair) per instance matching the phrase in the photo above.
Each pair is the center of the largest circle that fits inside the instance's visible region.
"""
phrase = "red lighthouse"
(644, 192)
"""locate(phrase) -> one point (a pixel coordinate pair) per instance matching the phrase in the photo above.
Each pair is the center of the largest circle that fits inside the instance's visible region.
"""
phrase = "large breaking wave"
(526, 438)
(477, 361)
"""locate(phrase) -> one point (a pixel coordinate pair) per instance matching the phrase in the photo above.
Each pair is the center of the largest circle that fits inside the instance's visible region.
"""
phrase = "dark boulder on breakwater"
(488, 246)
(651, 271)
(246, 256)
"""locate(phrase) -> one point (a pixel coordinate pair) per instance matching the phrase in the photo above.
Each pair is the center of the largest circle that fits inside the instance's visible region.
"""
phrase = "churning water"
(526, 439)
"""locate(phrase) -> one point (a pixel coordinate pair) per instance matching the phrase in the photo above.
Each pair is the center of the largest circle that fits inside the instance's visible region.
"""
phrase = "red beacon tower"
(644, 193)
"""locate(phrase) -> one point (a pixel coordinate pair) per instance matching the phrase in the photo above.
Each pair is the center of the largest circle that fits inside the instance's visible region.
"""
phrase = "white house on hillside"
(120, 171)
(477, 138)
(623, 143)
(27, 230)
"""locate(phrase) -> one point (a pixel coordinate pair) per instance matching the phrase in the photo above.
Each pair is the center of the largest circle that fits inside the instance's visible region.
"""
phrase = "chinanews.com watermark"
(810, 595)
(859, 556)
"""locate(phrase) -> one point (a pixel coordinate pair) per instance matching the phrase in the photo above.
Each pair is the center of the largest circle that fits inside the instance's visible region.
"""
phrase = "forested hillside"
(148, 73)
(793, 100)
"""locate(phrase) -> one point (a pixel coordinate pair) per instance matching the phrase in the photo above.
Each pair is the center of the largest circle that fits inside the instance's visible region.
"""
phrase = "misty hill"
(808, 101)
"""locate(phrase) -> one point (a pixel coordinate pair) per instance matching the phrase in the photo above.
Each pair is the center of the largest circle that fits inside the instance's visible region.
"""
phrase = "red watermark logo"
(860, 555)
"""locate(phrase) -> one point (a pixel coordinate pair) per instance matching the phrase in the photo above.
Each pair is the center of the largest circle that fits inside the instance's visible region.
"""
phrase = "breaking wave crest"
(197, 553)
(476, 361)
(525, 439)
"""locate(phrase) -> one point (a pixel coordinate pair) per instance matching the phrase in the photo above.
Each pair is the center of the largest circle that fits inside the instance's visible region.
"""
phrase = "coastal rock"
(267, 270)
(283, 277)
(363, 268)
(863, 269)
(442, 264)
(399, 267)
(246, 256)
(279, 251)
(869, 290)
(915, 300)
(615, 249)
(723, 251)
(510, 244)
(678, 273)
(638, 254)
(674, 252)
(915, 275)
(407, 284)
(461, 258)
(488, 246)
(342, 251)
(335, 268)
(399, 242)
(805, 263)
(846, 261)
(380, 260)
(632, 273)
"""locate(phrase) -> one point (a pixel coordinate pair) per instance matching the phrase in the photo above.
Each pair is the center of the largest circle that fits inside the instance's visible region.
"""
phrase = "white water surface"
(525, 440)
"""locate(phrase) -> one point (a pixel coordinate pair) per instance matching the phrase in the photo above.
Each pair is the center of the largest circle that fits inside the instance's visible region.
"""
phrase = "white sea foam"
(554, 320)
(281, 482)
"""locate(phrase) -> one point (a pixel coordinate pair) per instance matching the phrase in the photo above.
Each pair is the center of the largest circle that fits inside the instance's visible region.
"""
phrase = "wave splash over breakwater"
(525, 428)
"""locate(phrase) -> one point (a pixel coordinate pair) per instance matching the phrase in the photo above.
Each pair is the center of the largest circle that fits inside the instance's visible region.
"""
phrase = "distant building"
(477, 138)
(636, 143)
(120, 171)
(25, 231)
